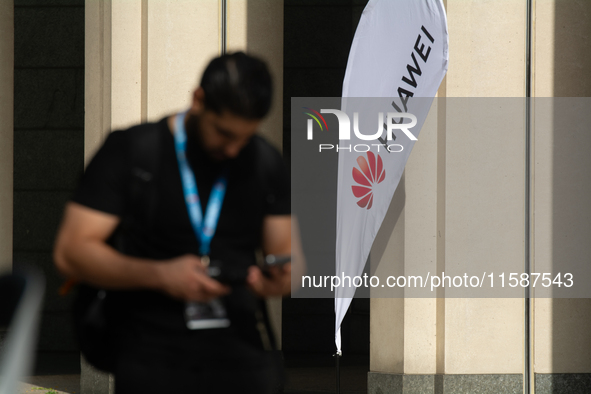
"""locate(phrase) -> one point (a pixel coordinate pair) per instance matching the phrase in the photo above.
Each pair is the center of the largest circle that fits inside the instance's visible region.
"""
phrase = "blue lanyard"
(204, 229)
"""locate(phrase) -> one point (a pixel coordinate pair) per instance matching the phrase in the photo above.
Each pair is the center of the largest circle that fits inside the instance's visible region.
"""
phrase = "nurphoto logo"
(394, 121)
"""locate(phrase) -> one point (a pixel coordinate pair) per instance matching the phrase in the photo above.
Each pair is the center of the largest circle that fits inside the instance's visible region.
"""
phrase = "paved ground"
(51, 384)
(300, 380)
(305, 374)
(323, 380)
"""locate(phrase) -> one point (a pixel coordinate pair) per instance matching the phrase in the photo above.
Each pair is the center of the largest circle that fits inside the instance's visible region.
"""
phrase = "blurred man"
(217, 193)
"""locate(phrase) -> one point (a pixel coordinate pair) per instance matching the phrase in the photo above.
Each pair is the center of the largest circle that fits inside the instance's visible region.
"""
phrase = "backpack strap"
(145, 162)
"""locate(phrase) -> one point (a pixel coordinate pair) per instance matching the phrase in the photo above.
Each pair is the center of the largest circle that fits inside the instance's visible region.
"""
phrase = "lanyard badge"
(213, 314)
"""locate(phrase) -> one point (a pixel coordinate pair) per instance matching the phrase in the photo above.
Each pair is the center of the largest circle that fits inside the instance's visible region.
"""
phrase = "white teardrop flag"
(399, 53)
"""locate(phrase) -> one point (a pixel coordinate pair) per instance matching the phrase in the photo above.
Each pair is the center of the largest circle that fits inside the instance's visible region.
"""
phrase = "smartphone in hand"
(272, 260)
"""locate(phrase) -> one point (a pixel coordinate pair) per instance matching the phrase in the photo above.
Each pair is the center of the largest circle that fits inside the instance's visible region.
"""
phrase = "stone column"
(450, 217)
(561, 186)
(97, 122)
(257, 27)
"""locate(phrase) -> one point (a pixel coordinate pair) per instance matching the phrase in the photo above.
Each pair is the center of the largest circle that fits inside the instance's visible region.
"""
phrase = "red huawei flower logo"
(371, 173)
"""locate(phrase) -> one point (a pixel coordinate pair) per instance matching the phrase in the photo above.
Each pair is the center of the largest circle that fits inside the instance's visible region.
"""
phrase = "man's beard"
(195, 146)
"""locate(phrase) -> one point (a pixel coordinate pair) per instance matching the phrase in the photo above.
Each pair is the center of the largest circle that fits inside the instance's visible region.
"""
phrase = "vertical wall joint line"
(224, 27)
(441, 218)
(144, 69)
(527, 389)
(107, 29)
(441, 101)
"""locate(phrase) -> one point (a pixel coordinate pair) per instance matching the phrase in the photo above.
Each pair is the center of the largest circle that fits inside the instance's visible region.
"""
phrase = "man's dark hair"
(238, 83)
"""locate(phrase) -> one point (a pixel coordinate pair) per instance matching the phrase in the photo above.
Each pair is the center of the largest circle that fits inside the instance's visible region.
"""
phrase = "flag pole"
(338, 355)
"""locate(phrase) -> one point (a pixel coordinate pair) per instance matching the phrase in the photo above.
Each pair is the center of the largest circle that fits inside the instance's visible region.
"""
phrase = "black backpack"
(95, 315)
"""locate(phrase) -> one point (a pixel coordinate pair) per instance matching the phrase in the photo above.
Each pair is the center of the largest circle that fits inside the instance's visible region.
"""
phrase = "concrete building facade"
(142, 58)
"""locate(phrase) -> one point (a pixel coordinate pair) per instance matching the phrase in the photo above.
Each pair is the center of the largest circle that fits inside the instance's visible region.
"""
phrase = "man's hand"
(276, 283)
(277, 239)
(81, 253)
(186, 278)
